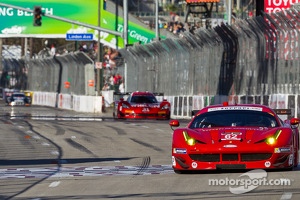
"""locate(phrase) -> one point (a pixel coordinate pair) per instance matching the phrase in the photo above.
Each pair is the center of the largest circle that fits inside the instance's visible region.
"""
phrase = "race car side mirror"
(295, 121)
(174, 123)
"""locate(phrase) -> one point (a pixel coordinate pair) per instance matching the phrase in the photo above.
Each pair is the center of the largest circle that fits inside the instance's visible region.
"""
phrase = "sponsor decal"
(235, 128)
(146, 110)
(145, 105)
(267, 164)
(138, 105)
(282, 150)
(234, 108)
(230, 146)
(194, 165)
(231, 136)
(272, 6)
(179, 150)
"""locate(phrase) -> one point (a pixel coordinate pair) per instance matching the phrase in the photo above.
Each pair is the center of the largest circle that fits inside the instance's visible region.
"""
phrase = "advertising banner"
(136, 33)
(272, 6)
(18, 23)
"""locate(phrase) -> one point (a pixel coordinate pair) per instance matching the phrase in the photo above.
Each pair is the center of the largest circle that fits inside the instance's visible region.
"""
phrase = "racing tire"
(289, 168)
(179, 171)
(296, 160)
(168, 117)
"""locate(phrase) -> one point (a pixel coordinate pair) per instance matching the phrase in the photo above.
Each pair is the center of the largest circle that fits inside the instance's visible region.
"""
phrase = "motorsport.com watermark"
(249, 181)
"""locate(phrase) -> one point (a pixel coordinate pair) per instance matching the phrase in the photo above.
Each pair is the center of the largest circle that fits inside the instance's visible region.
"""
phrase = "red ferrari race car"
(245, 136)
(141, 105)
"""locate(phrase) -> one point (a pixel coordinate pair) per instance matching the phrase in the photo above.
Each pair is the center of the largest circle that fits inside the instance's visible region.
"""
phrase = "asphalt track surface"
(48, 153)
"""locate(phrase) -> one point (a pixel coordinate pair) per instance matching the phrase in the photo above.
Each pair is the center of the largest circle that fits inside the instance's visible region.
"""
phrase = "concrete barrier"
(89, 104)
(181, 106)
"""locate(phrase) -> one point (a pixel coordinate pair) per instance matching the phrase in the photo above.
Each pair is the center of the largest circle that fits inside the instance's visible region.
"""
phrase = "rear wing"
(118, 95)
(158, 94)
(122, 93)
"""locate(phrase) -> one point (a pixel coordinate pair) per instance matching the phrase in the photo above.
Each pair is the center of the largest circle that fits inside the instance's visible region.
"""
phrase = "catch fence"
(256, 56)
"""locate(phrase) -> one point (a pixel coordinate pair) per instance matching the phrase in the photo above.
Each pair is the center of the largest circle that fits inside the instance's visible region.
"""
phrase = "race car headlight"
(272, 139)
(165, 107)
(189, 140)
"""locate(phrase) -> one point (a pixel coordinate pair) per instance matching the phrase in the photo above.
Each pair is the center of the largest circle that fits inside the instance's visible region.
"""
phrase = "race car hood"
(253, 134)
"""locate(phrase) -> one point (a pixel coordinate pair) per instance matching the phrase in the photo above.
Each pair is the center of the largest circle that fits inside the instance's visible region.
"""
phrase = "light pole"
(99, 52)
(229, 11)
(156, 20)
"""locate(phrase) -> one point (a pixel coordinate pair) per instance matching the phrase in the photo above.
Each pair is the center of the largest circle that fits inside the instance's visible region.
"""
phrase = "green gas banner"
(136, 33)
(19, 23)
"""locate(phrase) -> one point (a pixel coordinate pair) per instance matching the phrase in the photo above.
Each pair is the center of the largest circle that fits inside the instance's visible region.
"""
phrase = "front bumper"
(130, 114)
(244, 160)
(18, 104)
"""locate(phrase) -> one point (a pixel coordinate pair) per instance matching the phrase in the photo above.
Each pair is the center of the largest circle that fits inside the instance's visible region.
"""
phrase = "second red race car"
(245, 136)
(141, 105)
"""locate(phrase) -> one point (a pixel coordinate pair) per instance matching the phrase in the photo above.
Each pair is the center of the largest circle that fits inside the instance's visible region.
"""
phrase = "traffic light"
(104, 4)
(37, 16)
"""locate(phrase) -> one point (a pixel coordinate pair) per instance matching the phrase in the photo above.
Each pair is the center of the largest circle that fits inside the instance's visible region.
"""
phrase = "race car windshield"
(233, 118)
(143, 99)
(18, 95)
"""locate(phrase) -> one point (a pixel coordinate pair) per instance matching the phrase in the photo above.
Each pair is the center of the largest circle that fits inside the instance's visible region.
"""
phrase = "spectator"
(109, 58)
(117, 79)
(122, 86)
(106, 61)
(111, 81)
(94, 46)
(83, 47)
(65, 51)
(106, 87)
(177, 18)
(172, 17)
(53, 50)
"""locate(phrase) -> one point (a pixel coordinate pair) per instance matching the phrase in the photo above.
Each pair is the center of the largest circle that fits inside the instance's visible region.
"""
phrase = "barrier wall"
(88, 104)
(181, 106)
(44, 99)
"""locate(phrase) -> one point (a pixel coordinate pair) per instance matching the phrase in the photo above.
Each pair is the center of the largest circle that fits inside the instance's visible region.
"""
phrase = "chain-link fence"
(69, 73)
(256, 56)
(251, 57)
